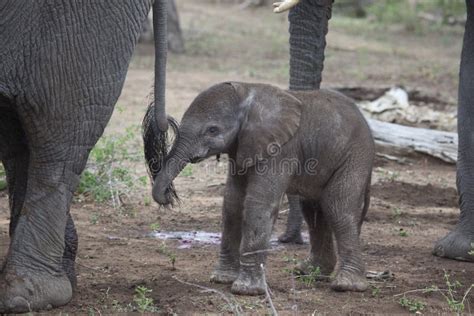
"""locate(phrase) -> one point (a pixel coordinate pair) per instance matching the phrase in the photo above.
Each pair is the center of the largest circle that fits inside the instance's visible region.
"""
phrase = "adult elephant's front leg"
(33, 277)
(460, 242)
(40, 262)
(260, 208)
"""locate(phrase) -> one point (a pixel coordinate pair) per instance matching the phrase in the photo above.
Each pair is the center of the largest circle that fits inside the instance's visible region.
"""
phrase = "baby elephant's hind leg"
(322, 253)
(343, 205)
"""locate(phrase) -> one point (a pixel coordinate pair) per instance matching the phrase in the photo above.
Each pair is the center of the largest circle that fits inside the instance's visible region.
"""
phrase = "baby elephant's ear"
(273, 117)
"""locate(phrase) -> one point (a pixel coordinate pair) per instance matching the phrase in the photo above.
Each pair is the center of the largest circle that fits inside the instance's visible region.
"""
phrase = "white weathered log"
(439, 144)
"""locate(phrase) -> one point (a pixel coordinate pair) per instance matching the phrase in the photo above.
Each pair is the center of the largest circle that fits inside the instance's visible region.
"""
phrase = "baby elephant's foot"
(249, 283)
(349, 281)
(224, 276)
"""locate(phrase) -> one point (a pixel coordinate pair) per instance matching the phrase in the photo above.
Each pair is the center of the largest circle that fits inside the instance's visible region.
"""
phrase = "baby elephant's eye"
(212, 130)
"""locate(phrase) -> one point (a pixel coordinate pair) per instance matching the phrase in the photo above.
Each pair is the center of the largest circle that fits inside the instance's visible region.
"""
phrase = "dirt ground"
(414, 202)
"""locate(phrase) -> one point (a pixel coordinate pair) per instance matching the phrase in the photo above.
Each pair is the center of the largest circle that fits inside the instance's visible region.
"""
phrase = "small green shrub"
(455, 301)
(375, 290)
(3, 178)
(402, 233)
(401, 12)
(413, 305)
(187, 171)
(108, 176)
(164, 250)
(144, 303)
(310, 278)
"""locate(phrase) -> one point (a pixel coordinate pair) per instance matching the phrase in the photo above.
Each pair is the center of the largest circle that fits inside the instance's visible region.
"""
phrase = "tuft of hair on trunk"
(157, 145)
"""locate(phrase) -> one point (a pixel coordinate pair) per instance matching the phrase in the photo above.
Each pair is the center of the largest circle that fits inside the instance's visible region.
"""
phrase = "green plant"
(164, 250)
(375, 290)
(413, 305)
(147, 200)
(94, 219)
(3, 180)
(396, 213)
(187, 171)
(143, 302)
(455, 301)
(472, 250)
(155, 226)
(402, 233)
(310, 278)
(108, 177)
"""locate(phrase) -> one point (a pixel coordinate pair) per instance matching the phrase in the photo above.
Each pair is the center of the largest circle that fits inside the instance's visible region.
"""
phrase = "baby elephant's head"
(246, 121)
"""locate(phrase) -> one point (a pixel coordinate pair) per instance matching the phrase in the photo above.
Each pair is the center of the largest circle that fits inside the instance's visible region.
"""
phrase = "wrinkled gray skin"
(458, 243)
(308, 28)
(62, 67)
(273, 133)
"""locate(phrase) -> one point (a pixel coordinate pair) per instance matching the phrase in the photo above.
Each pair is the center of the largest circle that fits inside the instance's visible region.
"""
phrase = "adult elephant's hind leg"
(459, 244)
(294, 222)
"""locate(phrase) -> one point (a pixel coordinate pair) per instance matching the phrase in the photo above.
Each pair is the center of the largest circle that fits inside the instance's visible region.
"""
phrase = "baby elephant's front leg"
(228, 268)
(260, 209)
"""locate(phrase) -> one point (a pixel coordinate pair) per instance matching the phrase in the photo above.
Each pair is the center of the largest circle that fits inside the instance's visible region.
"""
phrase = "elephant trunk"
(163, 189)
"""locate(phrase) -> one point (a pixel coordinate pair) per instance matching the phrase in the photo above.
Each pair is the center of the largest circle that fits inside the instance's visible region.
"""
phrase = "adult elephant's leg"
(292, 233)
(308, 29)
(458, 243)
(229, 257)
(17, 172)
(70, 250)
(15, 158)
(35, 276)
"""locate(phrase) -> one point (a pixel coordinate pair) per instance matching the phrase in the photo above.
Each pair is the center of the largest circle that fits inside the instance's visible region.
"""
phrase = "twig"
(467, 292)
(235, 307)
(257, 252)
(428, 290)
(293, 290)
(267, 292)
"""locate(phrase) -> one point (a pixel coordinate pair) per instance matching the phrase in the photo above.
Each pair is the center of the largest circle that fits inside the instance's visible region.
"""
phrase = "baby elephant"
(315, 144)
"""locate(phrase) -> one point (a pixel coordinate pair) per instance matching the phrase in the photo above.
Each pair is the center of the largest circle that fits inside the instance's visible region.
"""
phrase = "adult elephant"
(308, 28)
(62, 68)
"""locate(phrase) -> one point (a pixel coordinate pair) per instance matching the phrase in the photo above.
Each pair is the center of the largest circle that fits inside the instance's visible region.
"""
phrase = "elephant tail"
(155, 123)
(156, 144)
(160, 37)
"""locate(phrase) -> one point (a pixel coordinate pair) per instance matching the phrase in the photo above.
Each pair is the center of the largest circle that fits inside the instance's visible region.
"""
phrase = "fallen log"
(439, 144)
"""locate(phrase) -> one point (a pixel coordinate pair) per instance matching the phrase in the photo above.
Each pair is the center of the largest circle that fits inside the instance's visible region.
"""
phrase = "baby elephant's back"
(333, 122)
